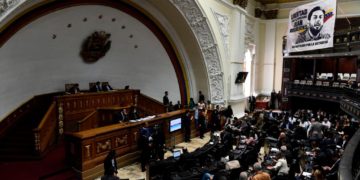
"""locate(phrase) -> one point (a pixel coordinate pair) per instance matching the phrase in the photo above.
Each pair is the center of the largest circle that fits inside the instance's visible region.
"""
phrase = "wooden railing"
(89, 122)
(46, 132)
(33, 104)
(75, 107)
(7, 123)
(74, 110)
(149, 104)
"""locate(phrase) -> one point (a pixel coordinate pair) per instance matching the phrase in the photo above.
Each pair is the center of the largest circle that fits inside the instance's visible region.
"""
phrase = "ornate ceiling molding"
(249, 32)
(8, 5)
(201, 28)
(223, 23)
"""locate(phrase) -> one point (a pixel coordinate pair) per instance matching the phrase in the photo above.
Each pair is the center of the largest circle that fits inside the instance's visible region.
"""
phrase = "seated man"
(134, 114)
(121, 116)
(74, 89)
(96, 87)
(105, 86)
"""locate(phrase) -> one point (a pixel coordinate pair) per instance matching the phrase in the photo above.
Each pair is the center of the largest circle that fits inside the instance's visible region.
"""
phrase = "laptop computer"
(176, 153)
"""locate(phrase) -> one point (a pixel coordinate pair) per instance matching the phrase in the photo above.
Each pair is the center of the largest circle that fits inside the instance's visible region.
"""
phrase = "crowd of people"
(267, 144)
(305, 144)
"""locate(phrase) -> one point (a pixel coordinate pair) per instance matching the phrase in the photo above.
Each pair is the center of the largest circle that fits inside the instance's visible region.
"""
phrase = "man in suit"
(105, 86)
(215, 118)
(96, 87)
(121, 116)
(110, 164)
(272, 99)
(186, 119)
(166, 101)
(252, 103)
(201, 97)
(74, 89)
(315, 130)
(134, 114)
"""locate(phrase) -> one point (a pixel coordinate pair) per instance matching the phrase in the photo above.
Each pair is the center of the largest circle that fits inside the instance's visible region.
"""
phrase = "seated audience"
(290, 152)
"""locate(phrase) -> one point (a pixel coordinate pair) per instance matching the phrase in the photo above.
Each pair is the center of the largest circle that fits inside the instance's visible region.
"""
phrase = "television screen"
(175, 124)
(241, 77)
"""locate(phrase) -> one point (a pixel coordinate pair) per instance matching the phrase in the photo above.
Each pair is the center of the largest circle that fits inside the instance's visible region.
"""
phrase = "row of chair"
(320, 83)
(341, 76)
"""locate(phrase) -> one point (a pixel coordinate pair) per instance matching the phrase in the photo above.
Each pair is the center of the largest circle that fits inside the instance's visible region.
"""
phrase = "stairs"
(19, 142)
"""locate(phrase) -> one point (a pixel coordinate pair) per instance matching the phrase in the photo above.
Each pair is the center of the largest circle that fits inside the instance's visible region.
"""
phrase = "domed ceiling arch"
(190, 11)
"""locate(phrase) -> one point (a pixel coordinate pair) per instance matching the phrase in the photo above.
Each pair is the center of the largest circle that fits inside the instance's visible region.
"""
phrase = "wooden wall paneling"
(348, 65)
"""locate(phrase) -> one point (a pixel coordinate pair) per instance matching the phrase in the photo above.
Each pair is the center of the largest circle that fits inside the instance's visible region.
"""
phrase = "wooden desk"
(87, 150)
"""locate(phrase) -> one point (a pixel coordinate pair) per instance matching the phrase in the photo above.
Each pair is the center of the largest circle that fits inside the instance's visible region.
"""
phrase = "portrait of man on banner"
(311, 26)
(316, 18)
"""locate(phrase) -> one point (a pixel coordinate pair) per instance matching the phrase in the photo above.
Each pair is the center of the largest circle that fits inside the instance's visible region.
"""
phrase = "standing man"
(201, 97)
(186, 119)
(110, 164)
(272, 99)
(166, 101)
(252, 102)
(279, 99)
(202, 123)
(215, 119)
(159, 142)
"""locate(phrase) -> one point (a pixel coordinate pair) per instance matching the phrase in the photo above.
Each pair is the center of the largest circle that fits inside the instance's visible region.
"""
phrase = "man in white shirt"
(281, 167)
(326, 123)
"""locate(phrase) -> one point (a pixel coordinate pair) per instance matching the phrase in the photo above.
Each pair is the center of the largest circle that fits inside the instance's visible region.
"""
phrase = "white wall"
(33, 63)
(230, 38)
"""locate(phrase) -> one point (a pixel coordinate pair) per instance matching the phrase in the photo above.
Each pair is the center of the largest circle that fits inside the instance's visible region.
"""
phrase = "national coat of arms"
(95, 46)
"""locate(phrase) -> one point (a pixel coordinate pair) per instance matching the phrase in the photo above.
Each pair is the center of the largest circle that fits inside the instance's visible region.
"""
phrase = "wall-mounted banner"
(311, 26)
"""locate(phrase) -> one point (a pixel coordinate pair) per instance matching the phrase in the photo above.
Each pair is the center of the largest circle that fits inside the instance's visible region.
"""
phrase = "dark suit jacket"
(95, 88)
(106, 88)
(110, 165)
(74, 90)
